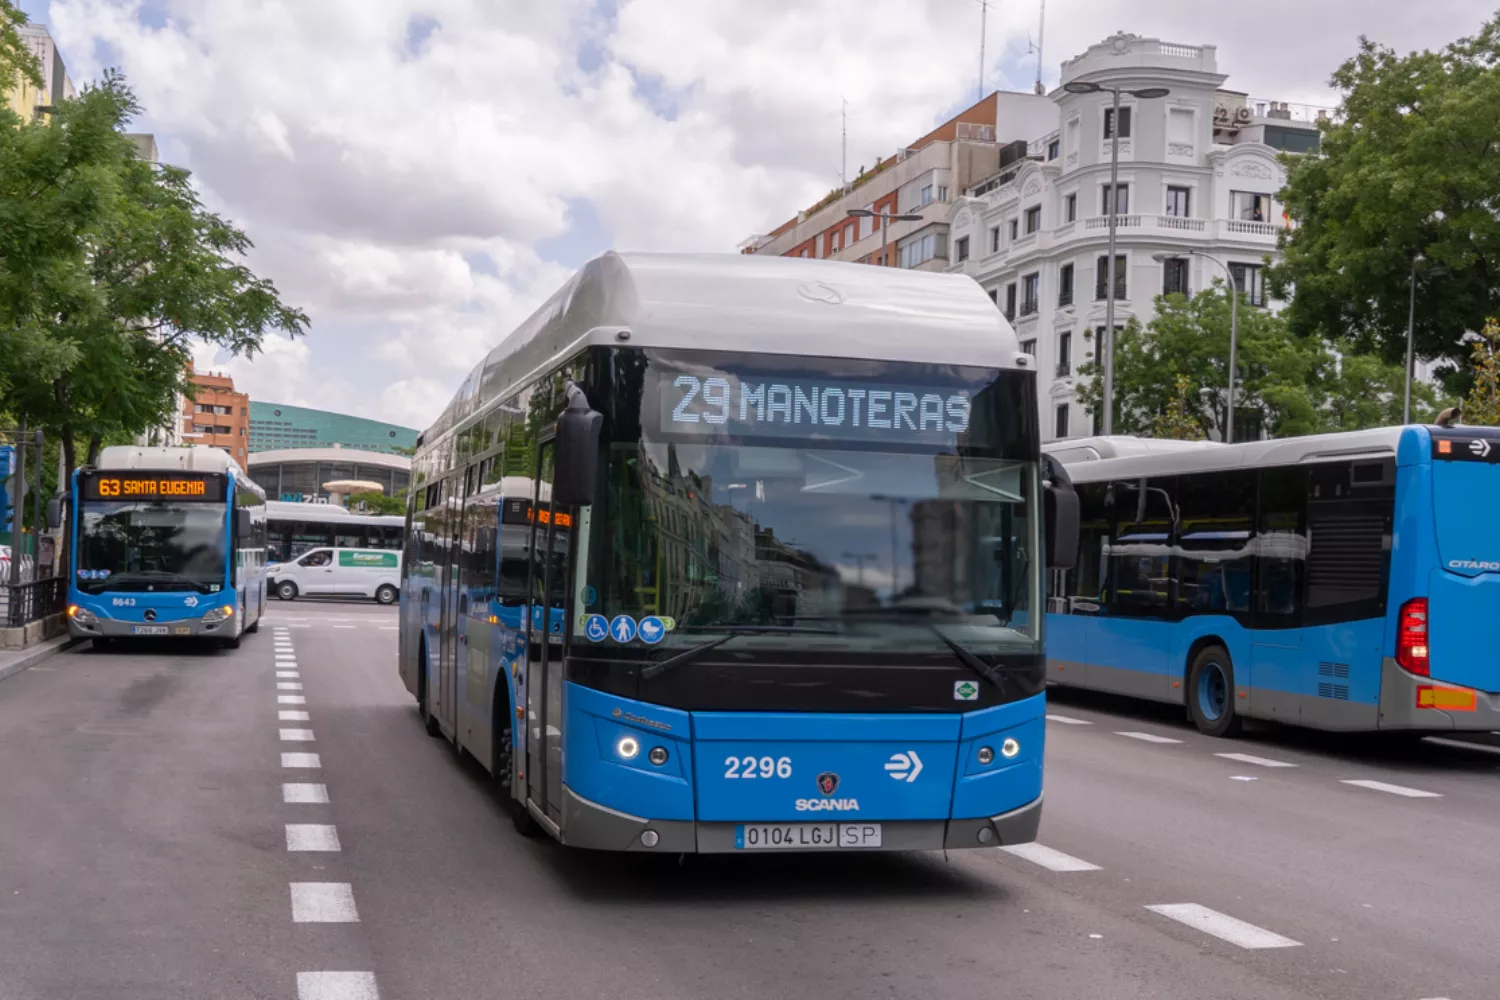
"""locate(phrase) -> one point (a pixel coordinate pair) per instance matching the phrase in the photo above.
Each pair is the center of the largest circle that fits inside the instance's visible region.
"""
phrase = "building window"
(1174, 276)
(1030, 288)
(961, 249)
(1248, 282)
(926, 197)
(942, 192)
(1015, 229)
(1010, 301)
(1122, 199)
(1070, 208)
(1028, 347)
(1180, 202)
(1060, 428)
(1101, 277)
(1054, 149)
(1247, 206)
(995, 296)
(923, 249)
(1065, 285)
(1109, 121)
(994, 239)
(1064, 355)
(1033, 218)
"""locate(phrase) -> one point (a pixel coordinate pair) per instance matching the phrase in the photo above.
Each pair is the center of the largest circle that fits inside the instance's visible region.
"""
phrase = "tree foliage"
(1482, 406)
(378, 503)
(110, 270)
(1172, 377)
(1407, 169)
(15, 58)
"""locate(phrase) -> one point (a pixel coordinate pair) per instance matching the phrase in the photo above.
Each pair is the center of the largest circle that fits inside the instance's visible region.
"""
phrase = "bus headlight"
(628, 747)
(82, 616)
(216, 615)
(1009, 748)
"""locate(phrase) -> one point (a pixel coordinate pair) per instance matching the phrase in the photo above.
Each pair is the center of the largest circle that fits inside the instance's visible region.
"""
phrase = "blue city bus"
(165, 542)
(1338, 582)
(724, 553)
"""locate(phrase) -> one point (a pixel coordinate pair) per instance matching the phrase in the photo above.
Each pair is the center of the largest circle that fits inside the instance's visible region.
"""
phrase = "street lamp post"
(885, 219)
(1145, 93)
(1234, 325)
(1411, 322)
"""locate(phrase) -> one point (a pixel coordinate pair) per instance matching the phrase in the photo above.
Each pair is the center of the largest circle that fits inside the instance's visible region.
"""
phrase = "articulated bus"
(165, 542)
(721, 553)
(1340, 582)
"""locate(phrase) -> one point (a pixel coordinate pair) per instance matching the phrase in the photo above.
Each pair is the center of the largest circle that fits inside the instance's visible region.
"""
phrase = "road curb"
(31, 657)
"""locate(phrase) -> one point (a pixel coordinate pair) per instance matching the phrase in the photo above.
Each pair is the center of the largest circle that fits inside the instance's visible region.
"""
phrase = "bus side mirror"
(55, 513)
(1060, 514)
(242, 526)
(577, 450)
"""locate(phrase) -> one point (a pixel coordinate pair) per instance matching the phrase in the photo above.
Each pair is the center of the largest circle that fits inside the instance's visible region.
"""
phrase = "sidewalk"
(15, 661)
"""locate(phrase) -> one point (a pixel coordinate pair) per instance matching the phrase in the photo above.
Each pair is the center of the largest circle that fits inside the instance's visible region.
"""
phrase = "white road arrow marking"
(904, 766)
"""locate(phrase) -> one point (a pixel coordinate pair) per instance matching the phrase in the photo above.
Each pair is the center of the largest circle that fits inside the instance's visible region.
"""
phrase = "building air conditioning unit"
(1242, 116)
(1221, 114)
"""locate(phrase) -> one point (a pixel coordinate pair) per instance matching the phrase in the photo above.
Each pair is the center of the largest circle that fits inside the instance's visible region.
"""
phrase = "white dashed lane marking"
(1052, 860)
(304, 793)
(301, 760)
(1245, 758)
(1381, 786)
(1067, 720)
(1149, 737)
(288, 686)
(297, 735)
(343, 626)
(390, 628)
(290, 699)
(1223, 926)
(323, 903)
(336, 986)
(292, 715)
(290, 675)
(312, 837)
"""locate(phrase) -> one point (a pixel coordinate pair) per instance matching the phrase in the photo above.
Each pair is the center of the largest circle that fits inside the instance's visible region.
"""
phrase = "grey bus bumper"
(1399, 706)
(111, 628)
(590, 825)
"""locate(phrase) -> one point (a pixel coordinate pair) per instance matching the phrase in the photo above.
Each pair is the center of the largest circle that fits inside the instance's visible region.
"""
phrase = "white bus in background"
(297, 528)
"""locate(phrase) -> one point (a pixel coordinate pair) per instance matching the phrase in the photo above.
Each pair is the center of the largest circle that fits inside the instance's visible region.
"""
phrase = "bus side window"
(1281, 545)
(1084, 583)
(1216, 523)
(1140, 554)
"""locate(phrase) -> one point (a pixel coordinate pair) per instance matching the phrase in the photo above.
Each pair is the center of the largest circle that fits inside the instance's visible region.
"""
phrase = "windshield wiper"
(655, 670)
(154, 577)
(968, 659)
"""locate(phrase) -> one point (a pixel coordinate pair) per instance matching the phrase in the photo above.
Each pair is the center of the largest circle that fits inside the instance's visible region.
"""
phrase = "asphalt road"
(148, 850)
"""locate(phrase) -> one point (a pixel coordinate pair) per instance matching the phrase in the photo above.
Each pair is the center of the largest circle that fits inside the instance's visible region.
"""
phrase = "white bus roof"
(1093, 459)
(325, 513)
(743, 302)
(197, 458)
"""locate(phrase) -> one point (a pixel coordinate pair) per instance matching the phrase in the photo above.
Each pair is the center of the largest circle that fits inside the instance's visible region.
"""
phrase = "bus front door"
(447, 694)
(550, 539)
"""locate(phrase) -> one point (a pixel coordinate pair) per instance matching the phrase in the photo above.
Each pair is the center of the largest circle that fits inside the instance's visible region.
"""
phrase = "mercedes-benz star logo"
(150, 615)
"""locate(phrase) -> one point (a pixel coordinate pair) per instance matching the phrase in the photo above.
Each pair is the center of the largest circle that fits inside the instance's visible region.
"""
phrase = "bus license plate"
(149, 630)
(805, 836)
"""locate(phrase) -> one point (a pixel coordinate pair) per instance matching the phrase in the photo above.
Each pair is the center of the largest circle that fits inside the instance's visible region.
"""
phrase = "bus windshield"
(839, 541)
(142, 545)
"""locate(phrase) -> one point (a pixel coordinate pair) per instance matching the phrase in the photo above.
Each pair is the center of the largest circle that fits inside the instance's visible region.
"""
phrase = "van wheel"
(1210, 693)
(286, 590)
(386, 594)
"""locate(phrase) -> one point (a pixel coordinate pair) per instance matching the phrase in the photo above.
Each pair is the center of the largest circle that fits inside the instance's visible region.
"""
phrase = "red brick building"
(219, 417)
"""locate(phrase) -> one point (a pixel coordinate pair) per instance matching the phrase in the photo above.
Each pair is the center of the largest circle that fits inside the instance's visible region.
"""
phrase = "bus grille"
(1327, 669)
(1339, 692)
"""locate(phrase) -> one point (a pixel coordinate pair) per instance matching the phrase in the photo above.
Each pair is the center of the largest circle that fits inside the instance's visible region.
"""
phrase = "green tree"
(1365, 391)
(379, 503)
(16, 61)
(1407, 168)
(1177, 420)
(118, 270)
(1279, 374)
(1482, 406)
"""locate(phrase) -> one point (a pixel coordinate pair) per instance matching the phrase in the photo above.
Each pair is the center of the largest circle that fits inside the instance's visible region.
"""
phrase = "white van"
(363, 572)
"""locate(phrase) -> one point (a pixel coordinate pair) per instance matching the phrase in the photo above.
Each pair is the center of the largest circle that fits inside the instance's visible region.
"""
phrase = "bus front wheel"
(1210, 693)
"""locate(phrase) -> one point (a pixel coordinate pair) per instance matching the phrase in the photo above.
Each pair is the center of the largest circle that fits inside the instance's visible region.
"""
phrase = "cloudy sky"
(418, 175)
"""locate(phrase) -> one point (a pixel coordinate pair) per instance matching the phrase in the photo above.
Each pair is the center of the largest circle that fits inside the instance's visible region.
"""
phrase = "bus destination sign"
(829, 409)
(173, 486)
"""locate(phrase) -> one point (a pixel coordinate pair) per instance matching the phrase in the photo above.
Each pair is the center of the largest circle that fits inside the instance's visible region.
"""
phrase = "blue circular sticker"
(596, 628)
(622, 628)
(590, 597)
(652, 630)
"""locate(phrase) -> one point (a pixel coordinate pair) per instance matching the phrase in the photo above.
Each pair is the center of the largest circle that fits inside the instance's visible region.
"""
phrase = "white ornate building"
(1198, 171)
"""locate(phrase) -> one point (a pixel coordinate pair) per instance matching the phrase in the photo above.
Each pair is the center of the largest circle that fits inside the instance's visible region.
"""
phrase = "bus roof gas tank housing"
(756, 305)
(197, 458)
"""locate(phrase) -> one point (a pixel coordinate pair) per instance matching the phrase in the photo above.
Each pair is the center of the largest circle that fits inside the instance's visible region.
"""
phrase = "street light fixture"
(1107, 345)
(1411, 320)
(1234, 324)
(885, 219)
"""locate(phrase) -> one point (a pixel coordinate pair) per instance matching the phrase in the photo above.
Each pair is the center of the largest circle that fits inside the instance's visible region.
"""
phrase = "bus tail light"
(1411, 637)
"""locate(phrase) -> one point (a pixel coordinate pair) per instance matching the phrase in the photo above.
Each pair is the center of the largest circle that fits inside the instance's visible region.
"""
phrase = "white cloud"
(417, 201)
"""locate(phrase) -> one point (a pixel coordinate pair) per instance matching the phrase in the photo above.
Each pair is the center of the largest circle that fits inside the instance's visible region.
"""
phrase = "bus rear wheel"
(1210, 693)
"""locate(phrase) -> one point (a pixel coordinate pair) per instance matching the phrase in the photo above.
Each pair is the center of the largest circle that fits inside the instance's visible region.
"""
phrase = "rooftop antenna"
(1041, 34)
(984, 13)
(843, 144)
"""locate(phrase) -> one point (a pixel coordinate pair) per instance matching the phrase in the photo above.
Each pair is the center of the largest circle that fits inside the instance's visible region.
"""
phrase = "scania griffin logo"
(828, 782)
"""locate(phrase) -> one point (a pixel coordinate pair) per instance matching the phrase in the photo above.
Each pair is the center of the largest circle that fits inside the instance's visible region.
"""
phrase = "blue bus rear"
(158, 546)
(1342, 591)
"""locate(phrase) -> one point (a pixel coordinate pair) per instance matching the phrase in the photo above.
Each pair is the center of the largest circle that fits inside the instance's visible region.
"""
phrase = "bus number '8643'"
(757, 767)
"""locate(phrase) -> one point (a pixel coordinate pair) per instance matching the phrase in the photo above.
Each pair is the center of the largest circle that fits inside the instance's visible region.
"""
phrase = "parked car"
(374, 573)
